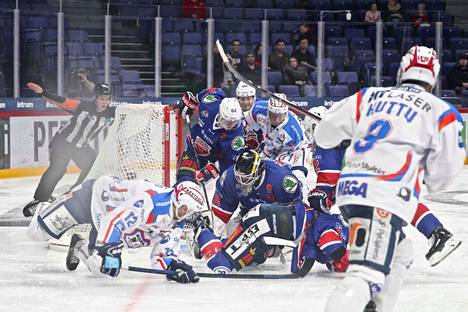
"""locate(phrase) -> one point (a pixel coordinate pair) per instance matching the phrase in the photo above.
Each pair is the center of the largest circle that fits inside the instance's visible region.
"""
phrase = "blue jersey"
(327, 165)
(278, 185)
(212, 142)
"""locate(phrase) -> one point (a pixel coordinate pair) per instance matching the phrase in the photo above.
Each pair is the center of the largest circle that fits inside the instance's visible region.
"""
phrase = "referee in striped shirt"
(72, 140)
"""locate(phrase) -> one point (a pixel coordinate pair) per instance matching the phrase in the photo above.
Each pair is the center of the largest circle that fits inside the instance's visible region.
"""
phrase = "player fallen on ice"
(269, 197)
(217, 137)
(74, 139)
(400, 136)
(122, 213)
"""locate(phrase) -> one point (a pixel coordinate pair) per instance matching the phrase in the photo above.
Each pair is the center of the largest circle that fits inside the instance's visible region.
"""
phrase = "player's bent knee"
(375, 279)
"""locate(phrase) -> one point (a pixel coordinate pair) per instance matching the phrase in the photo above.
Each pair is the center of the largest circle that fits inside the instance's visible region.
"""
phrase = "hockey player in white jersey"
(246, 95)
(123, 213)
(397, 135)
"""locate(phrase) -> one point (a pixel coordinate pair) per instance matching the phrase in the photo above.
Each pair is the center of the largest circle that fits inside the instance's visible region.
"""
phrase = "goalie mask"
(187, 199)
(230, 114)
(277, 110)
(248, 170)
(246, 96)
(419, 64)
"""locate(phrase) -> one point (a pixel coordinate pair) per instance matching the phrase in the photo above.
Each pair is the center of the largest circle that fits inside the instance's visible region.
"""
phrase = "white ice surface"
(34, 278)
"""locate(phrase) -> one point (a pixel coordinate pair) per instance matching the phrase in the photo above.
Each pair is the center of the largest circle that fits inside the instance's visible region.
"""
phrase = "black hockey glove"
(188, 104)
(198, 222)
(321, 200)
(181, 272)
(111, 260)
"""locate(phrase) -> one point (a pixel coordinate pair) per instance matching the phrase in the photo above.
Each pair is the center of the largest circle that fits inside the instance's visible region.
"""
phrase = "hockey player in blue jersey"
(123, 213)
(252, 181)
(266, 229)
(217, 136)
(270, 199)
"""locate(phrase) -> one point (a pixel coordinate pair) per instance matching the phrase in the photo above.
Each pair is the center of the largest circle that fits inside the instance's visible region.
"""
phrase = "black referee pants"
(61, 152)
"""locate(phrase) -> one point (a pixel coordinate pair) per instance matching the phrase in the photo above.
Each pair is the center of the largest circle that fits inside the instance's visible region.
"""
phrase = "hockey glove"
(251, 140)
(181, 272)
(340, 265)
(207, 174)
(188, 104)
(111, 260)
(321, 200)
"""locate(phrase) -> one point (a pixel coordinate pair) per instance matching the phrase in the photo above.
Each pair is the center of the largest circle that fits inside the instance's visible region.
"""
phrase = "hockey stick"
(296, 109)
(197, 160)
(215, 275)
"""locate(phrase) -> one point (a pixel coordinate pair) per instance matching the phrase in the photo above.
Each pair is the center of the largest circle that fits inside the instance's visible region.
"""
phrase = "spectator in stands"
(258, 54)
(373, 14)
(278, 58)
(302, 54)
(458, 76)
(421, 18)
(234, 54)
(296, 74)
(305, 31)
(194, 9)
(394, 12)
(85, 86)
(250, 69)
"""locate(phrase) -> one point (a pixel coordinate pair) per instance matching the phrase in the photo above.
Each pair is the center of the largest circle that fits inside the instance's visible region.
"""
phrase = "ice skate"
(442, 245)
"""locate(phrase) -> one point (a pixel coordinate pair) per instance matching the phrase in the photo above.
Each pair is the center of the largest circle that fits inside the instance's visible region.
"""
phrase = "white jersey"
(138, 213)
(399, 137)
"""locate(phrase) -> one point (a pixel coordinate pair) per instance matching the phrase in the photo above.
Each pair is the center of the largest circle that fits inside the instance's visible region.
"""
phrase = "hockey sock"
(425, 221)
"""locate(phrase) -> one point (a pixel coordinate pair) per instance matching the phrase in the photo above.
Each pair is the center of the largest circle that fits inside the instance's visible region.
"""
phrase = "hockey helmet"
(277, 109)
(248, 168)
(246, 96)
(102, 89)
(419, 64)
(309, 122)
(230, 114)
(187, 199)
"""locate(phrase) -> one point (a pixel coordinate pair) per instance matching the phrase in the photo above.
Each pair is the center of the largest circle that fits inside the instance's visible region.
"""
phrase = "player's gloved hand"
(321, 200)
(207, 174)
(251, 140)
(340, 265)
(111, 260)
(198, 222)
(181, 272)
(188, 104)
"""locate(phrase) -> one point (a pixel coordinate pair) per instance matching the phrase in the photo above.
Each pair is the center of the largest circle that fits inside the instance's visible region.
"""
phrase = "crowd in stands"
(349, 45)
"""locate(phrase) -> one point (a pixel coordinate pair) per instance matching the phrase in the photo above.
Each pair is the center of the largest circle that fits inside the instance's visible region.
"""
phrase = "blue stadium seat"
(275, 77)
(233, 13)
(254, 13)
(255, 38)
(251, 26)
(264, 4)
(289, 90)
(275, 14)
(191, 49)
(192, 38)
(407, 43)
(77, 35)
(333, 31)
(388, 43)
(390, 56)
(359, 43)
(338, 90)
(326, 77)
(239, 36)
(310, 90)
(171, 38)
(214, 3)
(296, 14)
(361, 57)
(458, 43)
(170, 54)
(170, 11)
(184, 26)
(337, 41)
(285, 36)
(346, 77)
(393, 69)
(447, 93)
(350, 33)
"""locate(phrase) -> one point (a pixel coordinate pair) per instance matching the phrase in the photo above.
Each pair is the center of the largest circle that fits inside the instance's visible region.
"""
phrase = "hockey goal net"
(144, 142)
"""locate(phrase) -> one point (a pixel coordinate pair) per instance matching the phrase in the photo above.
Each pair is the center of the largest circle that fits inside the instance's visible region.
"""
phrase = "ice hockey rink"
(34, 278)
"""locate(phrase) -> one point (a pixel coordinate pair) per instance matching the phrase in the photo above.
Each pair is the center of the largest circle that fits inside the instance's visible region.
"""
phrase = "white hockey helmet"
(246, 96)
(309, 122)
(276, 106)
(187, 199)
(230, 113)
(419, 64)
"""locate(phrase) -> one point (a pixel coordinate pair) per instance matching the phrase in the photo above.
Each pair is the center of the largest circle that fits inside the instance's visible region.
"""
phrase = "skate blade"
(433, 261)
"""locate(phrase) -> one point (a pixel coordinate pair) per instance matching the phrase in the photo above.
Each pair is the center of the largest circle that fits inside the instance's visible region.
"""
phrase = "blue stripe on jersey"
(161, 204)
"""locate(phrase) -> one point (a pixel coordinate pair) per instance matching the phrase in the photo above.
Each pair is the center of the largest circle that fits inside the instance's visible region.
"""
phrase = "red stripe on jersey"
(447, 120)
(221, 214)
(211, 248)
(421, 210)
(328, 177)
(111, 225)
(358, 106)
(328, 237)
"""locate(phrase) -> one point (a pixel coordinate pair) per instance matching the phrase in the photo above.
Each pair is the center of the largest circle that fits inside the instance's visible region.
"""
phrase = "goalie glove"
(181, 272)
(320, 200)
(188, 104)
(111, 258)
